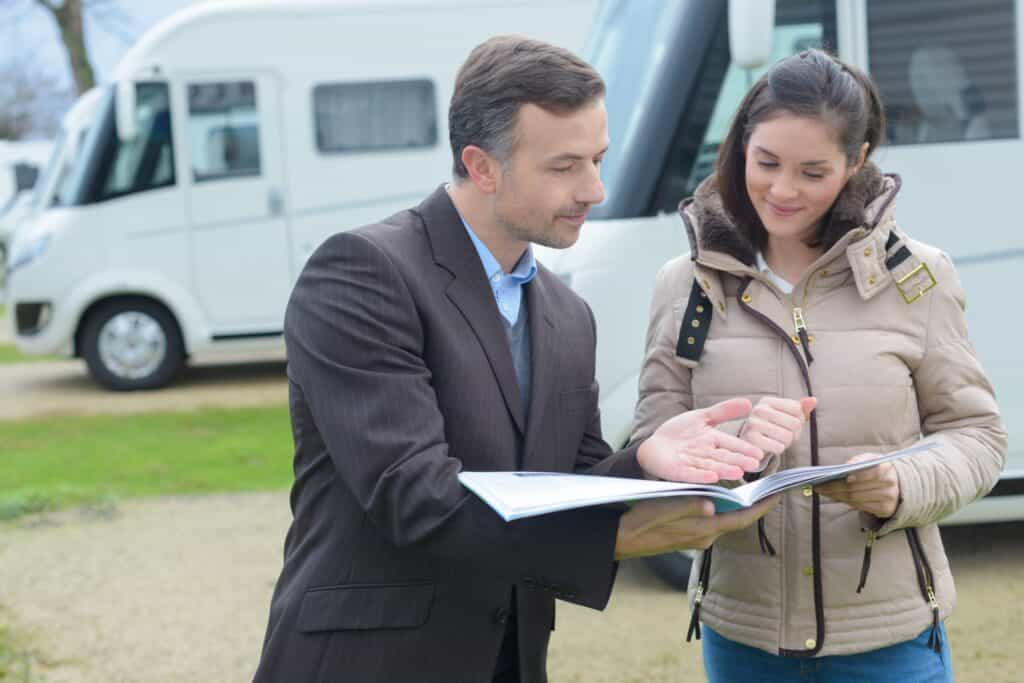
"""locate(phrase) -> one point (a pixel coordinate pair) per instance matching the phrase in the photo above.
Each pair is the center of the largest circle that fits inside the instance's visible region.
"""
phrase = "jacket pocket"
(582, 400)
(360, 607)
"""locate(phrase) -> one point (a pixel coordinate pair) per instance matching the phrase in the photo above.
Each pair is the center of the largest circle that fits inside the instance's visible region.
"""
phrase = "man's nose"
(592, 192)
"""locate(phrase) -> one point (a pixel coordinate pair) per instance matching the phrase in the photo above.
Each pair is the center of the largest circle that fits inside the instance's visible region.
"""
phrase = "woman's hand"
(775, 423)
(689, 448)
(875, 490)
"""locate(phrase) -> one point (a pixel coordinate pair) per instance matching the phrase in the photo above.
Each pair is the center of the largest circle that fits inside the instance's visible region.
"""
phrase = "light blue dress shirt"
(507, 289)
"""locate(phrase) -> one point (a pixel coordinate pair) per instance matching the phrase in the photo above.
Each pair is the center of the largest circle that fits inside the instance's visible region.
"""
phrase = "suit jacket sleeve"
(355, 350)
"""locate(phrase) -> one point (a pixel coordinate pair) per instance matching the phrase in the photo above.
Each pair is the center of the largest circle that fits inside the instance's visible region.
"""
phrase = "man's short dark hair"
(500, 76)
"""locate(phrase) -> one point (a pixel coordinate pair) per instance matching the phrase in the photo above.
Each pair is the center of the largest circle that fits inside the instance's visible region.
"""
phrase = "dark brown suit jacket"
(400, 375)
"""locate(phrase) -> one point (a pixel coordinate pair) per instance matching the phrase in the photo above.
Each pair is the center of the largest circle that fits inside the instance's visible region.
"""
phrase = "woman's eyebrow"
(817, 162)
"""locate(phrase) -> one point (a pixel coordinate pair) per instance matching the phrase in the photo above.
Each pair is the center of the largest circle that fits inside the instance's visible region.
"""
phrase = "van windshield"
(630, 45)
(108, 167)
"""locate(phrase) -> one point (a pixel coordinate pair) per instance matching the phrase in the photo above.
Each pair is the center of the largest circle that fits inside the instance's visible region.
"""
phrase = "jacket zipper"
(801, 330)
(698, 596)
(925, 580)
(866, 564)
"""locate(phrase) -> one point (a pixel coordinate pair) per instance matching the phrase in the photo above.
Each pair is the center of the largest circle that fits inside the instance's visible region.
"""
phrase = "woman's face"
(795, 170)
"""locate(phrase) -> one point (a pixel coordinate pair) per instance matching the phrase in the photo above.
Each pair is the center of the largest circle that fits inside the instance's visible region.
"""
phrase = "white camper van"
(235, 138)
(948, 71)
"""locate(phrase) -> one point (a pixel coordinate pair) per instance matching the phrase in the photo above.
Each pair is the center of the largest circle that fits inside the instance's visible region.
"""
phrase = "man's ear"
(483, 169)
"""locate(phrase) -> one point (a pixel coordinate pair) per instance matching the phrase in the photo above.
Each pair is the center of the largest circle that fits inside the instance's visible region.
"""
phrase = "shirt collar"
(524, 271)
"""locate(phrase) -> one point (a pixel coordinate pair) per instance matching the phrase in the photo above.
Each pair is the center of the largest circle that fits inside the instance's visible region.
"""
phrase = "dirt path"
(63, 387)
(177, 589)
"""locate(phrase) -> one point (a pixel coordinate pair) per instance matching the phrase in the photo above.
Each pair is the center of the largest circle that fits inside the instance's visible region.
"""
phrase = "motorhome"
(948, 73)
(236, 136)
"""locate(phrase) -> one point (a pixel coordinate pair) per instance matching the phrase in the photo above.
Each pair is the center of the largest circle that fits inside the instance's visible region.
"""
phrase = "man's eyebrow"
(817, 162)
(569, 156)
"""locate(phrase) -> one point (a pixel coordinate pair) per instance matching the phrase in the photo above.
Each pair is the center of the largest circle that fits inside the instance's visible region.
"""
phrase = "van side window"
(145, 162)
(799, 25)
(223, 130)
(361, 117)
(947, 69)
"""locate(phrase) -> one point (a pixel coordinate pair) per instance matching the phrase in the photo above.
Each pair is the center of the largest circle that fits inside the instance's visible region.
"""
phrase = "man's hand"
(775, 422)
(688, 447)
(652, 527)
(875, 490)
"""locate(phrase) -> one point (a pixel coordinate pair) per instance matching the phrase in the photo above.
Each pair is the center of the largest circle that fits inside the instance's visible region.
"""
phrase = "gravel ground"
(64, 387)
(177, 589)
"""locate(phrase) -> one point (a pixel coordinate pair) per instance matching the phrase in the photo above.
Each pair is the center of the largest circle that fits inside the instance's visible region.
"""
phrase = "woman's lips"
(783, 211)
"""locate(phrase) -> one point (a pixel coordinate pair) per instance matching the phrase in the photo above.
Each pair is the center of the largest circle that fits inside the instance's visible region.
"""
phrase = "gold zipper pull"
(698, 595)
(798, 320)
(931, 599)
(801, 331)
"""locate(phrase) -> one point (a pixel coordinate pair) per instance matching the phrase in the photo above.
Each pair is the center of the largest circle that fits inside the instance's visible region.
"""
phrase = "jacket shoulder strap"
(912, 276)
(693, 331)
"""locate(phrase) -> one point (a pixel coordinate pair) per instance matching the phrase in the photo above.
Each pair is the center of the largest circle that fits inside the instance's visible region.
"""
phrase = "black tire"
(672, 568)
(166, 364)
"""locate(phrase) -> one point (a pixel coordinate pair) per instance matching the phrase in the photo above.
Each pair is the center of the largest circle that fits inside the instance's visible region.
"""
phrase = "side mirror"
(25, 176)
(751, 24)
(124, 111)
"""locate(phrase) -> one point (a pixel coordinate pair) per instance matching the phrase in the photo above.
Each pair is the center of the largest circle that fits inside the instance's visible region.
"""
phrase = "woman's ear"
(861, 158)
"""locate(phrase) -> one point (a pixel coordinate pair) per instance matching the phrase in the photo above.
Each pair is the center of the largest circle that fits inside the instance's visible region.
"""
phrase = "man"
(433, 342)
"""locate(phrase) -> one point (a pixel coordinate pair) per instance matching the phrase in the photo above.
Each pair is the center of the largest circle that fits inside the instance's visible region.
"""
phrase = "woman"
(802, 293)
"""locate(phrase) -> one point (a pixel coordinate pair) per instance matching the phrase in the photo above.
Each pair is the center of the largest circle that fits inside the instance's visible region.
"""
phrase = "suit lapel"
(542, 341)
(471, 294)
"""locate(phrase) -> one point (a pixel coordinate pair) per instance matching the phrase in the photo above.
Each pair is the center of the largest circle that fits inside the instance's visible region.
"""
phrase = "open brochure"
(515, 495)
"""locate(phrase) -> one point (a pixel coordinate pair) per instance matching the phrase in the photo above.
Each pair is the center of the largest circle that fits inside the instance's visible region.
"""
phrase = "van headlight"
(25, 254)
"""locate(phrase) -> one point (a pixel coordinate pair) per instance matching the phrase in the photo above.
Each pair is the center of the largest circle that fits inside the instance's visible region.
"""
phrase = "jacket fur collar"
(716, 230)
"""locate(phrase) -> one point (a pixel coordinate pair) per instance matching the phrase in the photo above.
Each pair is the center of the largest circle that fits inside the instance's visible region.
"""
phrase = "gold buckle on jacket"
(918, 290)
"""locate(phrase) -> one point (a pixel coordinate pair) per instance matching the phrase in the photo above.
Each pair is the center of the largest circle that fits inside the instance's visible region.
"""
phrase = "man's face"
(552, 178)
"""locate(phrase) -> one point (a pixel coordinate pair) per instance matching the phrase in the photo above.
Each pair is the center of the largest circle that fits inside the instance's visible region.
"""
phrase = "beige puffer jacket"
(886, 373)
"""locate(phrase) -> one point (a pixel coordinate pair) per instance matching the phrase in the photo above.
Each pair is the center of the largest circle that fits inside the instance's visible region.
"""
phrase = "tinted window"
(223, 130)
(947, 69)
(357, 117)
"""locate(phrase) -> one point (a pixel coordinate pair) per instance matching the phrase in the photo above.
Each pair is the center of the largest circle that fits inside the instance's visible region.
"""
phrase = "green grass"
(56, 462)
(10, 354)
(15, 665)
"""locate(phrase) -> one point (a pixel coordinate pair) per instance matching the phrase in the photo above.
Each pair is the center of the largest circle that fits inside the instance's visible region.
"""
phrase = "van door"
(239, 232)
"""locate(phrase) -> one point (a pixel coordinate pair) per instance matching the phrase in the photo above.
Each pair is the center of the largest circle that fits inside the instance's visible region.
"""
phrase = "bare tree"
(69, 16)
(31, 101)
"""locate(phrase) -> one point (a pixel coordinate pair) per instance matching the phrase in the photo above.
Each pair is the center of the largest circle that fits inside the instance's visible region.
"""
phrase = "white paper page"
(514, 495)
(762, 488)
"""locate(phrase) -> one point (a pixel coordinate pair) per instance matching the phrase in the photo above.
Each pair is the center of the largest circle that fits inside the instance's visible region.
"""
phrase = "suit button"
(500, 615)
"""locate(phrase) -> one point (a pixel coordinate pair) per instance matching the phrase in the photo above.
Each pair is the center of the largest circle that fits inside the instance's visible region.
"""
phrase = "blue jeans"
(726, 661)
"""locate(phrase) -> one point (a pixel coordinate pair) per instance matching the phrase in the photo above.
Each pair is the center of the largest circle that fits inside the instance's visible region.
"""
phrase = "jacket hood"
(863, 200)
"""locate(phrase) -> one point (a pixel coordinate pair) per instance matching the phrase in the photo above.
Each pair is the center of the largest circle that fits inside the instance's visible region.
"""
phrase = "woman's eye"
(814, 176)
(767, 164)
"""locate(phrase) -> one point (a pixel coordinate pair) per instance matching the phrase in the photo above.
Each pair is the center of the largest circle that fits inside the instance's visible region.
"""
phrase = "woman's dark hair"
(811, 84)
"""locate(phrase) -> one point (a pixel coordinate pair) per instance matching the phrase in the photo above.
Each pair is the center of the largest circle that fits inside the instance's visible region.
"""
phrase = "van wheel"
(130, 345)
(672, 568)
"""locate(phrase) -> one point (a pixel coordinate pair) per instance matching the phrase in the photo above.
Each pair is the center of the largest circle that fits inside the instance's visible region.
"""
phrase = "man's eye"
(562, 169)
